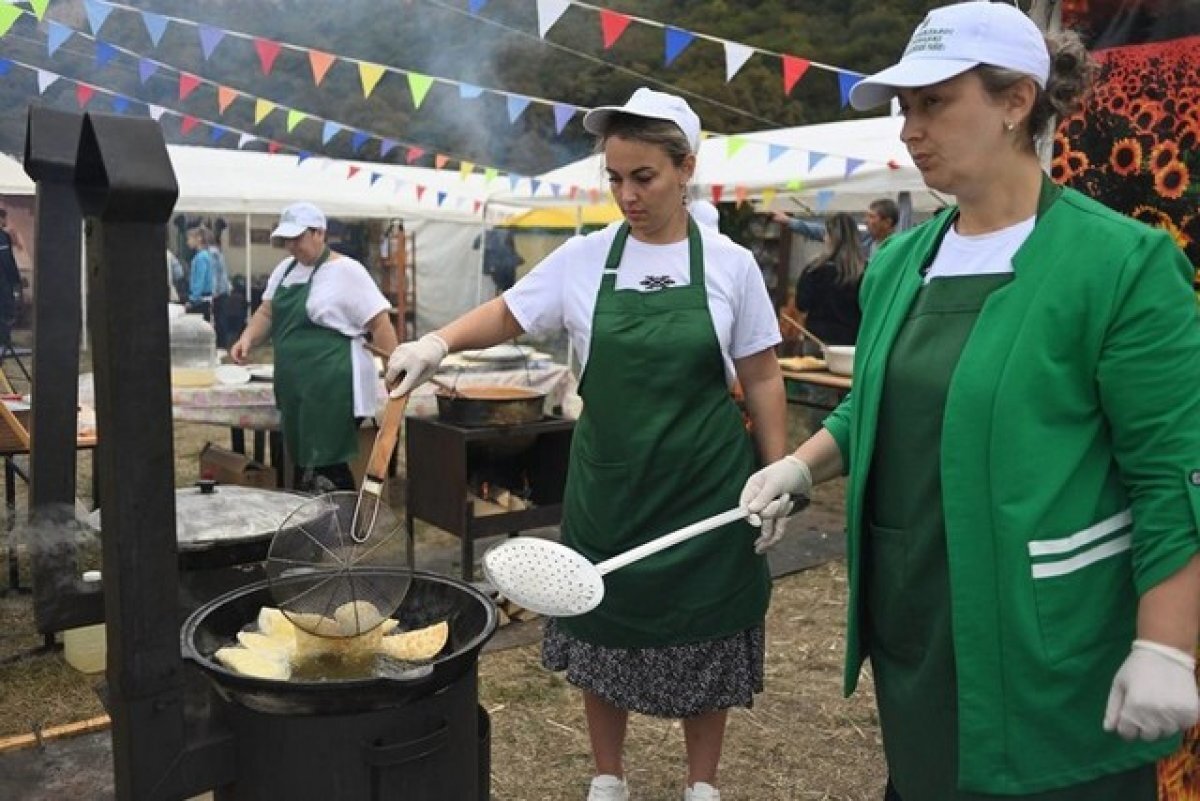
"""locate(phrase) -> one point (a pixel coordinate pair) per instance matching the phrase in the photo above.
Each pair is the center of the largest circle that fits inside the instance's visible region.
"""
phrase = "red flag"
(414, 153)
(272, 147)
(267, 52)
(187, 84)
(612, 24)
(353, 171)
(717, 191)
(793, 69)
(420, 192)
(475, 207)
(189, 122)
(83, 93)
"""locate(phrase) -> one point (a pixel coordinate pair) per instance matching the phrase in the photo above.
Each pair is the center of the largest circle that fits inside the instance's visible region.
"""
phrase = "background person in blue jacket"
(1023, 503)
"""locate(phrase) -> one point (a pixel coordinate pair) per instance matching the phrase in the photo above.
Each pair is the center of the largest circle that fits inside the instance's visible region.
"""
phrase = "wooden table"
(795, 383)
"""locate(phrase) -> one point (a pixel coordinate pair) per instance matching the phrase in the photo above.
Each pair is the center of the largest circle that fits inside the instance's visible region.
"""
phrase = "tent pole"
(83, 287)
(482, 250)
(249, 293)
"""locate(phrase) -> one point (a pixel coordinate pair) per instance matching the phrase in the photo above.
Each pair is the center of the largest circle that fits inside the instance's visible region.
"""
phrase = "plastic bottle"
(84, 647)
(193, 351)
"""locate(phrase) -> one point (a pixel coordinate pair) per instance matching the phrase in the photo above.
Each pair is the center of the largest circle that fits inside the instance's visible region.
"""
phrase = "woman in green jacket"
(1022, 449)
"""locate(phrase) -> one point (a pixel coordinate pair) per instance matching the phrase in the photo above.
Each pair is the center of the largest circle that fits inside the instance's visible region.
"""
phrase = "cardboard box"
(230, 467)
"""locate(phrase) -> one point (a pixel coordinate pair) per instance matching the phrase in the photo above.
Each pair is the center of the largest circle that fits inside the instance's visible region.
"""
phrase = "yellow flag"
(465, 168)
(733, 144)
(261, 109)
(295, 118)
(370, 75)
(419, 86)
(768, 197)
(490, 174)
(8, 15)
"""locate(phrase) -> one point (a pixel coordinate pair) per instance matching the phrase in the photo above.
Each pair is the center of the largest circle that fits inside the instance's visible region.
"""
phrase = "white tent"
(837, 166)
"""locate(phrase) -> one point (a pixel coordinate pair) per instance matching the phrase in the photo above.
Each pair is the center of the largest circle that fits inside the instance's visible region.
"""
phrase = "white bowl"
(839, 359)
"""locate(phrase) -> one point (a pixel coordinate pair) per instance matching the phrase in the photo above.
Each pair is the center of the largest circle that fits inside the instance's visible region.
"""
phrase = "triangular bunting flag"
(267, 51)
(56, 34)
(824, 198)
(419, 86)
(369, 74)
(469, 91)
(45, 80)
(146, 68)
(328, 131)
(97, 12)
(83, 93)
(516, 105)
(793, 69)
(489, 174)
(739, 194)
(440, 161)
(294, 118)
(358, 140)
(39, 8)
(225, 96)
(717, 191)
(814, 158)
(768, 196)
(593, 196)
(104, 54)
(475, 6)
(441, 198)
(562, 115)
(846, 82)
(245, 139)
(302, 156)
(476, 206)
(733, 144)
(420, 192)
(8, 15)
(156, 26)
(676, 41)
(155, 112)
(465, 168)
(414, 153)
(794, 185)
(852, 165)
(612, 25)
(387, 146)
(210, 37)
(375, 176)
(216, 132)
(548, 12)
(261, 109)
(120, 104)
(556, 189)
(321, 62)
(187, 84)
(353, 170)
(272, 146)
(513, 180)
(736, 56)
(189, 122)
(534, 183)
(774, 152)
(572, 192)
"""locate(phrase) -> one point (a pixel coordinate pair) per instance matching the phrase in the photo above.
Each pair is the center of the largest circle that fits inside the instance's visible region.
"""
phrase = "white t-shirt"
(343, 297)
(985, 254)
(561, 290)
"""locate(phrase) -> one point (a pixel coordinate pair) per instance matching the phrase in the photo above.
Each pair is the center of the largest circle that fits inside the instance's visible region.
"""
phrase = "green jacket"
(1071, 477)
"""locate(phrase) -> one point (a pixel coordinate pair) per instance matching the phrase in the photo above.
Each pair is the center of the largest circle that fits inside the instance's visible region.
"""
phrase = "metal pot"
(481, 406)
(431, 598)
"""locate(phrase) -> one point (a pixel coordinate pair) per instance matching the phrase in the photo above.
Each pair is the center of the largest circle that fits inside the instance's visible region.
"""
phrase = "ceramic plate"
(231, 374)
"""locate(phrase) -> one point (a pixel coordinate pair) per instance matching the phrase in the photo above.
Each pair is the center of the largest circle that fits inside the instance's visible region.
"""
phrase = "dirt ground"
(801, 740)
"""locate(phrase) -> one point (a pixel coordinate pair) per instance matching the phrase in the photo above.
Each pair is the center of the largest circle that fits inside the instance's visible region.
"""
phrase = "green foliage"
(498, 50)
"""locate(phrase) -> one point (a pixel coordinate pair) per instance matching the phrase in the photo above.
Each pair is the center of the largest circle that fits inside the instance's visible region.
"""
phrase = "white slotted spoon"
(551, 579)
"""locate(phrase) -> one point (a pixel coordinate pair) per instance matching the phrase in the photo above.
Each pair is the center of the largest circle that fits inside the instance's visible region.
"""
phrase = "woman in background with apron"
(665, 315)
(316, 305)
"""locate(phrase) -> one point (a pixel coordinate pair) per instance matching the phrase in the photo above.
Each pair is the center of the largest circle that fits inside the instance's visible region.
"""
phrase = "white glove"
(767, 497)
(414, 363)
(1154, 693)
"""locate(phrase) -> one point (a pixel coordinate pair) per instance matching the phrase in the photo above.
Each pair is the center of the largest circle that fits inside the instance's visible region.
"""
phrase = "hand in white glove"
(768, 496)
(1154, 693)
(414, 363)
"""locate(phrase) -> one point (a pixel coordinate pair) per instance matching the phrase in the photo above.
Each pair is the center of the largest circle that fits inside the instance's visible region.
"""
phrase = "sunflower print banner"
(1135, 145)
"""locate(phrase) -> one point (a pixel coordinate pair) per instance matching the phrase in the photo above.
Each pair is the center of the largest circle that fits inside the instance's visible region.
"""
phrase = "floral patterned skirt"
(678, 681)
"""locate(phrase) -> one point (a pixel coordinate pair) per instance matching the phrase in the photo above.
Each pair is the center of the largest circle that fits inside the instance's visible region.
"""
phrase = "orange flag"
(440, 160)
(225, 96)
(321, 62)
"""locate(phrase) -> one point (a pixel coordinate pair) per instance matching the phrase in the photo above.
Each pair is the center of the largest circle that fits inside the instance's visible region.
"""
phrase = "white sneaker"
(702, 791)
(608, 788)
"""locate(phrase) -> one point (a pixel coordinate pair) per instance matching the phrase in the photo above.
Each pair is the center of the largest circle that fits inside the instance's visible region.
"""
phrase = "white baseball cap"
(655, 105)
(954, 39)
(296, 219)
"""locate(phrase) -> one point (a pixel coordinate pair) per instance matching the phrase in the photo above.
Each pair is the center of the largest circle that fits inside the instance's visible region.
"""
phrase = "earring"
(1009, 125)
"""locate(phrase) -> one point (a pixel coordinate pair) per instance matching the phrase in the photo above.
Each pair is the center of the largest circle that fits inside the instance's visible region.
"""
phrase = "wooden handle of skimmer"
(385, 440)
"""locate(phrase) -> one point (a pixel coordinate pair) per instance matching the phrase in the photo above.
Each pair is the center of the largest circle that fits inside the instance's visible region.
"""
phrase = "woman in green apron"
(316, 305)
(665, 315)
(1023, 503)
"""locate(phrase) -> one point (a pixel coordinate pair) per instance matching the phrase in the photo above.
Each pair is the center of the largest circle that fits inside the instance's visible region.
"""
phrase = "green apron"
(906, 573)
(660, 445)
(314, 376)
